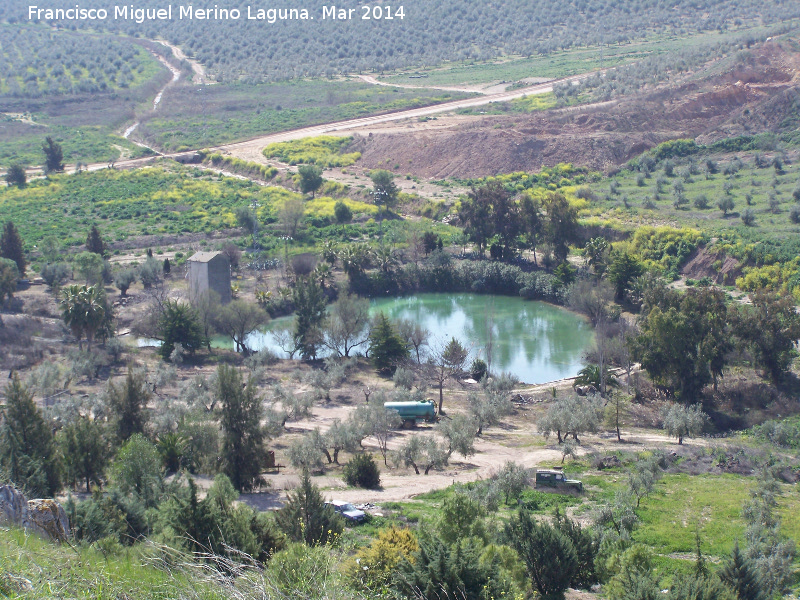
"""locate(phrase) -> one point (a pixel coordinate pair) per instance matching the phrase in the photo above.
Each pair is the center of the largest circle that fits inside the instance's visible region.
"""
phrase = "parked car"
(555, 478)
(348, 511)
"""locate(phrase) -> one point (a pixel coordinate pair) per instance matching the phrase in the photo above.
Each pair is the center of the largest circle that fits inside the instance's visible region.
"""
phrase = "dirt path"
(199, 77)
(514, 440)
(176, 75)
(251, 149)
(467, 89)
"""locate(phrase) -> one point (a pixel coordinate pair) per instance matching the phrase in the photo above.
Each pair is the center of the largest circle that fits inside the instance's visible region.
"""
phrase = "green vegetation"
(324, 151)
(673, 197)
(80, 89)
(236, 112)
(447, 31)
(239, 166)
(564, 62)
(42, 62)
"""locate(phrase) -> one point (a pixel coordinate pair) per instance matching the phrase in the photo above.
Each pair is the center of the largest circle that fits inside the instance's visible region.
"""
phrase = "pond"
(536, 341)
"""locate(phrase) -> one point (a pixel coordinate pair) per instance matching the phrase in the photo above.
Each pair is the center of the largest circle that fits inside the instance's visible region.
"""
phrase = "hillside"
(428, 34)
(754, 92)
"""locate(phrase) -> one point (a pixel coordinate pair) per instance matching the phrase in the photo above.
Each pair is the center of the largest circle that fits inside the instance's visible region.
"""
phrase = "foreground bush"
(362, 472)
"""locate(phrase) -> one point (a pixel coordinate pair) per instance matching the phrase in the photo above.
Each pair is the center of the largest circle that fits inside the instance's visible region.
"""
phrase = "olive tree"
(347, 324)
(684, 421)
(378, 422)
(571, 415)
(238, 320)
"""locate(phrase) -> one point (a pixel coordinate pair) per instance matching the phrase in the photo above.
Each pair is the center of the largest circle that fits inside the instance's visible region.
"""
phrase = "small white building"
(210, 271)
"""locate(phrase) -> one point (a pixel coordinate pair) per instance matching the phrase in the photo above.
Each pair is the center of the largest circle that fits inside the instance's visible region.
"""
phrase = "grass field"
(559, 64)
(43, 570)
(225, 113)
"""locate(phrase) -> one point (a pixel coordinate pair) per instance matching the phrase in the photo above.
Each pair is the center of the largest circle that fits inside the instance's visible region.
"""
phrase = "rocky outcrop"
(45, 517)
(13, 506)
(48, 519)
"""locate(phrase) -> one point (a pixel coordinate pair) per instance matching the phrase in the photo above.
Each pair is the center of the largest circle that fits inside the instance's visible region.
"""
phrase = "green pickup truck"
(555, 478)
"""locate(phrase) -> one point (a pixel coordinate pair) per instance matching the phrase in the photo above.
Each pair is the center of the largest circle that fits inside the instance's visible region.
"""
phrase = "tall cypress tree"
(53, 156)
(243, 437)
(94, 242)
(11, 246)
(27, 447)
(129, 402)
(386, 348)
(306, 518)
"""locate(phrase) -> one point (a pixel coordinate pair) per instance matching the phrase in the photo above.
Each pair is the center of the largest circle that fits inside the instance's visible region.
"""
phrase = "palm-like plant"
(355, 258)
(324, 274)
(590, 375)
(94, 307)
(83, 310)
(72, 311)
(173, 448)
(385, 258)
(329, 252)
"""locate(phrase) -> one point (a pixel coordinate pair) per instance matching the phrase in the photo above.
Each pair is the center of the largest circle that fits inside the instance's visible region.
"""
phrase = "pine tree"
(243, 437)
(17, 176)
(27, 447)
(306, 518)
(53, 156)
(129, 402)
(85, 451)
(179, 324)
(11, 247)
(548, 554)
(94, 242)
(386, 348)
(742, 577)
(309, 302)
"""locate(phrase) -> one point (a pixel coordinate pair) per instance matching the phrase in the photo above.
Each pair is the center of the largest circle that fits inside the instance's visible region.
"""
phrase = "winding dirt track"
(251, 149)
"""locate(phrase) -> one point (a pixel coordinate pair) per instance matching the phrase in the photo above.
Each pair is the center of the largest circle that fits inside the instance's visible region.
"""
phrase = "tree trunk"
(441, 396)
(327, 455)
(336, 456)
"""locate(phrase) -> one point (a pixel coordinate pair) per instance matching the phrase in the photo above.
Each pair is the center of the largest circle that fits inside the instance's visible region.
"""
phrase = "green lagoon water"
(535, 341)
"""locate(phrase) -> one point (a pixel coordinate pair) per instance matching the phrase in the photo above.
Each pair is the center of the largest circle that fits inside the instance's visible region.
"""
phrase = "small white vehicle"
(348, 511)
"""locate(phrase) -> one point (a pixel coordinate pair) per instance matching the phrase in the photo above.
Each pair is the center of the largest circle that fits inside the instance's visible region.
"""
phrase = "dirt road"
(251, 149)
(199, 77)
(467, 89)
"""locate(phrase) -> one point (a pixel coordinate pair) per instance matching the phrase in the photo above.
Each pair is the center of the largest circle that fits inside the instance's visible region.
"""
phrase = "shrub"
(55, 274)
(794, 214)
(375, 565)
(478, 369)
(749, 217)
(306, 518)
(701, 202)
(362, 471)
(124, 279)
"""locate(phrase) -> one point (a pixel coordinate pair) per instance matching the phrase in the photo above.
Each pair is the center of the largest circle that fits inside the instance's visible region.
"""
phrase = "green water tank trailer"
(414, 412)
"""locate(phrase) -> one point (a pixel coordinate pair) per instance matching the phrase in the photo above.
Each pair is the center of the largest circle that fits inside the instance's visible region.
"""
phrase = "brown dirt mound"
(758, 94)
(702, 264)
